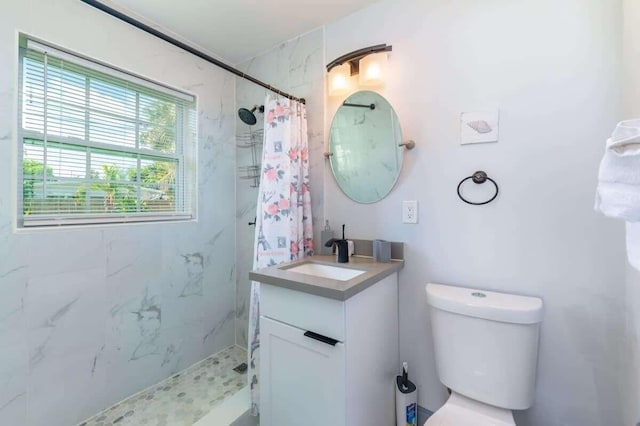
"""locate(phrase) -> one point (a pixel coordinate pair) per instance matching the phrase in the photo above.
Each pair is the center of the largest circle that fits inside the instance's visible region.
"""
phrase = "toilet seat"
(462, 411)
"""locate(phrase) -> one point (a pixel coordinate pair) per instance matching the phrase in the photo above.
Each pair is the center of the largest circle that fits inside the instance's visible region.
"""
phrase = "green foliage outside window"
(32, 170)
(111, 185)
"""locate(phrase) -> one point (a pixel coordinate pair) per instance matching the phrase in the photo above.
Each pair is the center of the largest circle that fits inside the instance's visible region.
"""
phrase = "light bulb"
(340, 80)
(373, 69)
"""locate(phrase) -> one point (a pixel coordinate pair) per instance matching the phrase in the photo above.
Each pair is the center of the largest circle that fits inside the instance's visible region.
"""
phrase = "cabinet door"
(302, 380)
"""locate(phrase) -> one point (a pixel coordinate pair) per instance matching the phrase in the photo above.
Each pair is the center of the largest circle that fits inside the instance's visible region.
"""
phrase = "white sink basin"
(326, 271)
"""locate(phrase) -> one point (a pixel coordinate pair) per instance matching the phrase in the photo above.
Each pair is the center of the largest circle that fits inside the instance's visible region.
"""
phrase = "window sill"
(53, 222)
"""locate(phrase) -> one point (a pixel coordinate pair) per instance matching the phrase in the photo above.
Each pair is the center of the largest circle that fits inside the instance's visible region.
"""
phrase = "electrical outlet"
(410, 211)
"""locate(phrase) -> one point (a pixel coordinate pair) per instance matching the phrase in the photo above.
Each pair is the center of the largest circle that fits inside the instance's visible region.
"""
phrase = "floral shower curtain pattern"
(284, 229)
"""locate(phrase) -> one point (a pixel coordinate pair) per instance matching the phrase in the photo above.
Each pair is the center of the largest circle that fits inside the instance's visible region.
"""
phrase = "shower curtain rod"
(146, 28)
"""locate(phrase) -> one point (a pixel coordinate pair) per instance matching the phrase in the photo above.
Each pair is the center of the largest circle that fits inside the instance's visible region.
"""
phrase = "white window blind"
(100, 145)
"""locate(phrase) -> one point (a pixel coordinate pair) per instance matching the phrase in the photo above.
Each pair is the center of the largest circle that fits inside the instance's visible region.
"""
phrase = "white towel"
(618, 193)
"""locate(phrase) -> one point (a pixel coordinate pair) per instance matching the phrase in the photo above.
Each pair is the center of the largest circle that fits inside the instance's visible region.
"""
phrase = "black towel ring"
(478, 177)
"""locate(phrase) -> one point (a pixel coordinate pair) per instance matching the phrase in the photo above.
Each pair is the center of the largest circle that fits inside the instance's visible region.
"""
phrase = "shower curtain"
(283, 219)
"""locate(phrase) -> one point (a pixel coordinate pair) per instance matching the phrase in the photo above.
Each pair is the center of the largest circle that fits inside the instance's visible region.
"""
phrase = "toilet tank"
(486, 343)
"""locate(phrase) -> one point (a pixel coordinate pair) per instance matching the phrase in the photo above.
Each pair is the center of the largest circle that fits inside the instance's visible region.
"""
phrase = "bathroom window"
(99, 145)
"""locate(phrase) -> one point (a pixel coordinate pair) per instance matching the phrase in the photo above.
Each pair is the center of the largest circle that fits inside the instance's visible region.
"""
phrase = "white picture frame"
(479, 127)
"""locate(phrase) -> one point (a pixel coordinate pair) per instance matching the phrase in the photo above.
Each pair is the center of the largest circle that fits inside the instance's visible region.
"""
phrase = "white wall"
(553, 69)
(631, 58)
(632, 297)
(631, 350)
(93, 314)
(296, 67)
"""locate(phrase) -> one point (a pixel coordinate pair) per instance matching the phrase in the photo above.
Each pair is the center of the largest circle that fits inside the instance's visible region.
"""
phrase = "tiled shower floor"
(183, 398)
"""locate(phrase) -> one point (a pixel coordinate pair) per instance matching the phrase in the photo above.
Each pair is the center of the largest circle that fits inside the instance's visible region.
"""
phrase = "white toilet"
(486, 347)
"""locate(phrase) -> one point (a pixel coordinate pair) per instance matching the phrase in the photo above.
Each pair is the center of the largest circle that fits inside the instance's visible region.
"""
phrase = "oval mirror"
(365, 157)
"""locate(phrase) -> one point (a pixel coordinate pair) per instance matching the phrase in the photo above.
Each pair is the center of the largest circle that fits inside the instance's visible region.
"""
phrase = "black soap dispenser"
(342, 246)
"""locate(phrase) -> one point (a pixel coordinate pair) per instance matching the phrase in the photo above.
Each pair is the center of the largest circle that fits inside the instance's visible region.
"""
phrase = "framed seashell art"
(479, 127)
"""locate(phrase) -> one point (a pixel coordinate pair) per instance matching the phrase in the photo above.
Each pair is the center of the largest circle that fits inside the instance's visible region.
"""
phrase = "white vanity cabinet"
(328, 362)
(301, 378)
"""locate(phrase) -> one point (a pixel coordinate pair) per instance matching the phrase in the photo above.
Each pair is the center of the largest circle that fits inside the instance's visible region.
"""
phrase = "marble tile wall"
(296, 67)
(90, 315)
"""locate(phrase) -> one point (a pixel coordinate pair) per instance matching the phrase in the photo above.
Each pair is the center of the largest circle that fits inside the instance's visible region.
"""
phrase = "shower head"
(247, 115)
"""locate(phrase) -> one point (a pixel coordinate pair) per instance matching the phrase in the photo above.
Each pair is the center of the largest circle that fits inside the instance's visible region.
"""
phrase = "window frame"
(185, 139)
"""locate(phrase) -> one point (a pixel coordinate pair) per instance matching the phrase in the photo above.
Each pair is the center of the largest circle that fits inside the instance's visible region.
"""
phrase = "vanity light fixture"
(369, 63)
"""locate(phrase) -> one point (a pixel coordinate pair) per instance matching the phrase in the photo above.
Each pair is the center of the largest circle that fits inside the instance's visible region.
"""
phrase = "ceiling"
(236, 30)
